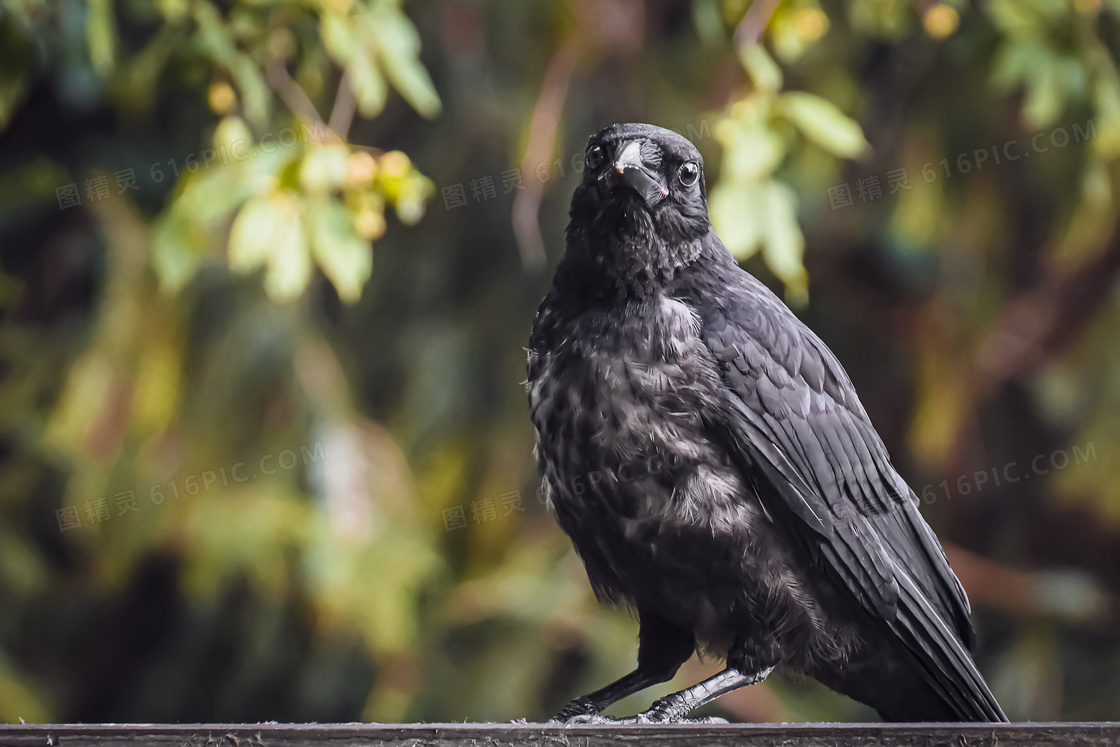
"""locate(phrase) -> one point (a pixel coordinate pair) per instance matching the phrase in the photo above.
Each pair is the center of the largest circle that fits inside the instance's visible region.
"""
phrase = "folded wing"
(793, 422)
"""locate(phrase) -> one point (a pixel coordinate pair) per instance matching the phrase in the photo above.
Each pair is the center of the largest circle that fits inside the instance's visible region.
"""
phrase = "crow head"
(640, 211)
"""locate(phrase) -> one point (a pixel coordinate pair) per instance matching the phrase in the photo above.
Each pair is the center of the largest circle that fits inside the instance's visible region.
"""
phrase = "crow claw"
(652, 716)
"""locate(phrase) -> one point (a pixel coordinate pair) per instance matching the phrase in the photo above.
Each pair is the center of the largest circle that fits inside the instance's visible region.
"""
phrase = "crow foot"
(598, 719)
(581, 707)
(665, 710)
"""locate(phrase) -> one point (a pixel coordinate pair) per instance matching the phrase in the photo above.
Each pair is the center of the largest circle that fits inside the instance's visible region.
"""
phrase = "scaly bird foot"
(654, 715)
(579, 708)
(598, 719)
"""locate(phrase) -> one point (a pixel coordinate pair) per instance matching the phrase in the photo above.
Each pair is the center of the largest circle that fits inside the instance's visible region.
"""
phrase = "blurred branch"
(755, 22)
(1035, 326)
(294, 96)
(542, 141)
(1071, 596)
(1040, 322)
(342, 113)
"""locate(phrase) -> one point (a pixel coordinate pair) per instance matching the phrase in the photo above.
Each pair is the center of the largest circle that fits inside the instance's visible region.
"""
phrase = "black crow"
(710, 460)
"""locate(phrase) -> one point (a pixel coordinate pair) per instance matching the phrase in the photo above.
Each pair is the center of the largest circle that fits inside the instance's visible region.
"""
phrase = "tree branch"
(342, 113)
(294, 96)
(754, 23)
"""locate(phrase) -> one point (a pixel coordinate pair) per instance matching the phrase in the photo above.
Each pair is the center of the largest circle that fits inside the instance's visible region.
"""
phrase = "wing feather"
(793, 421)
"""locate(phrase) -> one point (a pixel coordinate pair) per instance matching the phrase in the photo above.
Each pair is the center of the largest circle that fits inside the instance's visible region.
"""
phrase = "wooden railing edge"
(1041, 734)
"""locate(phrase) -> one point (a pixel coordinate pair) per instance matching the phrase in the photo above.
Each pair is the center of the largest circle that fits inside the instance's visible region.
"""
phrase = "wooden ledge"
(1081, 734)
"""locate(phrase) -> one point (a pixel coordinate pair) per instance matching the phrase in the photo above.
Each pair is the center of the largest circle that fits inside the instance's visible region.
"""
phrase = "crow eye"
(595, 157)
(689, 173)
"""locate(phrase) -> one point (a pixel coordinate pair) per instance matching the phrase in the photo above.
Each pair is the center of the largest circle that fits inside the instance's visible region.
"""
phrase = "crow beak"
(629, 171)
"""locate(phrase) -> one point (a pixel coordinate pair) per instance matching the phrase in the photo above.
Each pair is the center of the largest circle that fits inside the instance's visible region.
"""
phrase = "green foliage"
(373, 42)
(751, 207)
(273, 190)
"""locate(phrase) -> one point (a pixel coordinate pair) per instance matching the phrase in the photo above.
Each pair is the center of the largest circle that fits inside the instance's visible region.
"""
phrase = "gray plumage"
(715, 470)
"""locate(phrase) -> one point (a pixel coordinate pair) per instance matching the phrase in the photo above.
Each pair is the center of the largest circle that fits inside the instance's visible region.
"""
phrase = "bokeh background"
(268, 267)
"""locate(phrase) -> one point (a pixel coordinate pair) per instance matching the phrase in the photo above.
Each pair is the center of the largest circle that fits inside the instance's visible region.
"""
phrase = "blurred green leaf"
(173, 10)
(370, 87)
(1106, 97)
(267, 231)
(784, 245)
(338, 34)
(217, 41)
(735, 217)
(346, 259)
(400, 50)
(796, 27)
(752, 152)
(324, 168)
(101, 36)
(18, 700)
(177, 252)
(822, 122)
(1050, 79)
(17, 63)
(764, 72)
(1025, 17)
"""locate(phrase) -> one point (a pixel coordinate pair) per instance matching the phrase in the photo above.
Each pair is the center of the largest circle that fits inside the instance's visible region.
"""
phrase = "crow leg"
(662, 648)
(593, 703)
(676, 706)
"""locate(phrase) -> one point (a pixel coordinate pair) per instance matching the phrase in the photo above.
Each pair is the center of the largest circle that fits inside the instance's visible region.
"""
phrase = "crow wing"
(793, 423)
